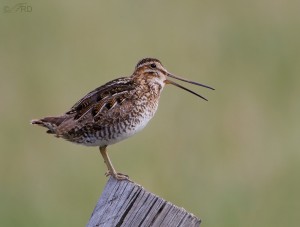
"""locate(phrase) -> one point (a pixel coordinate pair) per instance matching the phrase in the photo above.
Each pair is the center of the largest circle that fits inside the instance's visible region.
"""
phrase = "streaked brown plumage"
(114, 111)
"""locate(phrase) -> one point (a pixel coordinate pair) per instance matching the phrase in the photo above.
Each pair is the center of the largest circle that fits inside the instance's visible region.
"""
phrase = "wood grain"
(125, 203)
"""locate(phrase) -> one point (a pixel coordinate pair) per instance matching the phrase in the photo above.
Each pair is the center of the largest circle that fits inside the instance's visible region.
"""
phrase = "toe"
(121, 176)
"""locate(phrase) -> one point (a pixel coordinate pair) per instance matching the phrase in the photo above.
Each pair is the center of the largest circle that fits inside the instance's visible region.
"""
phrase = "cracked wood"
(124, 203)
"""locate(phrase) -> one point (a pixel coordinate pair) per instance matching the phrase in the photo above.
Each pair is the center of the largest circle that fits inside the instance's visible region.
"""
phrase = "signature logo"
(18, 8)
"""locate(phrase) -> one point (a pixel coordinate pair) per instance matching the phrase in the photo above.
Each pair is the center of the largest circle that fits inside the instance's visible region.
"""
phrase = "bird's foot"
(118, 176)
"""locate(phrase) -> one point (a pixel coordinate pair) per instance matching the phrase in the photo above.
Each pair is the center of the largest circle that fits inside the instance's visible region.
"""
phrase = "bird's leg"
(111, 170)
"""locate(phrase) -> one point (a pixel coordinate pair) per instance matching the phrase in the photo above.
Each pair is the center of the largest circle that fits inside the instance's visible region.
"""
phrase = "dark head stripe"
(146, 61)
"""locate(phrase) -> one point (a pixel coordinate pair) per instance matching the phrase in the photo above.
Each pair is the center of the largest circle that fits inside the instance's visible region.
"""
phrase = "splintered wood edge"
(125, 203)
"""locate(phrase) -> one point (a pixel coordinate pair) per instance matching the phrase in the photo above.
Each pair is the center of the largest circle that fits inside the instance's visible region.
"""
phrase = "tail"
(51, 123)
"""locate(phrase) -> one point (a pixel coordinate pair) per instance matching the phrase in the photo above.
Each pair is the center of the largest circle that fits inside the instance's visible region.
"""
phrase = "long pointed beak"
(188, 81)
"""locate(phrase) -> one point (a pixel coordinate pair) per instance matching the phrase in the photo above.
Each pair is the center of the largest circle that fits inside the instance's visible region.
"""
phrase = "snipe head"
(151, 71)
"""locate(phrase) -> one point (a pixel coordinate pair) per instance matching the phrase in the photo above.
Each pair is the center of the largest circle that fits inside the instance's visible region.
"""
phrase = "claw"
(118, 176)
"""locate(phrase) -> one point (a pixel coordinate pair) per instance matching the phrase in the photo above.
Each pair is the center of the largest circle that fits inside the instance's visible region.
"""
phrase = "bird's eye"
(153, 66)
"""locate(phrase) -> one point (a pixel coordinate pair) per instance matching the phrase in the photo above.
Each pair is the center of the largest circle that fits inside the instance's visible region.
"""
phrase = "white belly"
(133, 127)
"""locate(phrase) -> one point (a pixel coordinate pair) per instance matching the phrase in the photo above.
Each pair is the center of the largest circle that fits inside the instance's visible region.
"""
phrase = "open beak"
(188, 81)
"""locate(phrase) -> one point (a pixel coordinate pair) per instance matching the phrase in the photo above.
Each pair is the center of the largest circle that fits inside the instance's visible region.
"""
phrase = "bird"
(116, 110)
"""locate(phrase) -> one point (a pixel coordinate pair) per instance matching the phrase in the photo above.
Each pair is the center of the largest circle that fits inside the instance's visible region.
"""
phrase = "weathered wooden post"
(125, 203)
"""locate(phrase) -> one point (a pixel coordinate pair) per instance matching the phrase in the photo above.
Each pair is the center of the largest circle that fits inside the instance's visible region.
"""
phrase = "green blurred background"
(232, 161)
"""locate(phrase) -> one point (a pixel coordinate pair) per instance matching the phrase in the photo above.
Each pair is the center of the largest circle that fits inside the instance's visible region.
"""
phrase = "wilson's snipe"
(116, 110)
